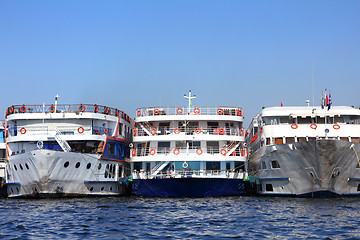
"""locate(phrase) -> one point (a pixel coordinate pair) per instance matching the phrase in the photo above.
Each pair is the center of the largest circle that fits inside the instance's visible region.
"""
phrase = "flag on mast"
(322, 100)
(281, 103)
(327, 98)
(330, 102)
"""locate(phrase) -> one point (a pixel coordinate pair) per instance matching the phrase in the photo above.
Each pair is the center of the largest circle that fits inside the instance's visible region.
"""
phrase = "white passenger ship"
(188, 151)
(305, 151)
(66, 150)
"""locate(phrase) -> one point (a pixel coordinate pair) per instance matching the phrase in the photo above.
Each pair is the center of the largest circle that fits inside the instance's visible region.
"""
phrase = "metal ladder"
(158, 167)
(63, 144)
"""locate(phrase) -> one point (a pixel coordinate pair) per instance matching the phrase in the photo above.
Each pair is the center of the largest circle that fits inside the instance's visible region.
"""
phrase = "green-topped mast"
(189, 99)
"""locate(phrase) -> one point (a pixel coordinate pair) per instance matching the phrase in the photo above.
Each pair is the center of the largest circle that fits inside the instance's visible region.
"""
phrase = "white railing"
(231, 174)
(228, 131)
(184, 110)
(161, 151)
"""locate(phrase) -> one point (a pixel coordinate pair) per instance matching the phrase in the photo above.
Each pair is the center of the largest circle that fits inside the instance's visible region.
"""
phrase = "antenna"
(56, 98)
(313, 83)
(189, 99)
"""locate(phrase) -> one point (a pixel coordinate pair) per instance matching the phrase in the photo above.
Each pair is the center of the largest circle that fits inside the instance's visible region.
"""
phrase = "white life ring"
(185, 165)
(40, 144)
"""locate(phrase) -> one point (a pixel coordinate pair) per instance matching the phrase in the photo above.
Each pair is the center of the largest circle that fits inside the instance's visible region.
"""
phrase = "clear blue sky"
(130, 54)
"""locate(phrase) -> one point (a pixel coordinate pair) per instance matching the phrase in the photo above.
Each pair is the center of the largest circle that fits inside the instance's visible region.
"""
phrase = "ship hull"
(188, 187)
(47, 173)
(321, 168)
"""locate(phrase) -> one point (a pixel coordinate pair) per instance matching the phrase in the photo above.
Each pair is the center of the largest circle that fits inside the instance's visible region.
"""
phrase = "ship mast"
(189, 98)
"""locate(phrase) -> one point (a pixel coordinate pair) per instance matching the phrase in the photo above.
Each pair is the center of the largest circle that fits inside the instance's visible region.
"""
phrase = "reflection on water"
(202, 218)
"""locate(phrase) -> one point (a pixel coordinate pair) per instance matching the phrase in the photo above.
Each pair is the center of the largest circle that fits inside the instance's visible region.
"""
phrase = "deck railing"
(238, 174)
(181, 110)
(229, 131)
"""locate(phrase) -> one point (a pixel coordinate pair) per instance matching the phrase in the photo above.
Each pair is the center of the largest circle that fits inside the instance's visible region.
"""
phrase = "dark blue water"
(157, 218)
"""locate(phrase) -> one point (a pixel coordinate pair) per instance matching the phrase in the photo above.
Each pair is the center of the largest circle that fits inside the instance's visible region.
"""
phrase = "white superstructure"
(66, 150)
(304, 150)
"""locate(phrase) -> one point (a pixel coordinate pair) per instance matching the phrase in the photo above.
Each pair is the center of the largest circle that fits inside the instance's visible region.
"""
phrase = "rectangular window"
(180, 144)
(111, 148)
(269, 187)
(194, 145)
(163, 147)
(137, 166)
(263, 165)
(212, 147)
(275, 164)
(212, 165)
(290, 140)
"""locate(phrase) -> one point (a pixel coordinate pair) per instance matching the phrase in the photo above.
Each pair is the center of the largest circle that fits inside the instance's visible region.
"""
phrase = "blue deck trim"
(354, 179)
(15, 183)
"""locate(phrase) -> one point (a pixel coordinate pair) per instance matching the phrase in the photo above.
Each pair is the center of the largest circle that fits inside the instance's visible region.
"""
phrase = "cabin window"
(320, 120)
(212, 165)
(212, 127)
(268, 141)
(358, 188)
(163, 147)
(269, 187)
(194, 145)
(228, 166)
(164, 128)
(180, 144)
(275, 164)
(301, 139)
(263, 165)
(212, 147)
(290, 140)
(137, 166)
(285, 120)
(239, 166)
(278, 140)
(111, 148)
(307, 120)
(355, 140)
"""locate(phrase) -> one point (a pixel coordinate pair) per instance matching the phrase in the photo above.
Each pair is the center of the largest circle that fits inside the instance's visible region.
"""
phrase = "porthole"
(77, 165)
(27, 166)
(88, 165)
(21, 167)
(269, 187)
(99, 166)
(15, 167)
(91, 189)
(110, 188)
(102, 188)
(66, 164)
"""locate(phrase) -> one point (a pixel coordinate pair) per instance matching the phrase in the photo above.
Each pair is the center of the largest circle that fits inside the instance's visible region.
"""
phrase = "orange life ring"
(241, 132)
(81, 130)
(199, 151)
(176, 151)
(221, 131)
(152, 152)
(177, 130)
(336, 126)
(52, 108)
(196, 110)
(22, 130)
(220, 111)
(81, 108)
(242, 152)
(4, 124)
(260, 129)
(117, 112)
(179, 111)
(106, 110)
(11, 110)
(138, 113)
(313, 126)
(294, 126)
(223, 151)
(105, 131)
(133, 153)
(134, 132)
(156, 111)
(96, 108)
(23, 109)
(238, 112)
(153, 131)
(197, 130)
(7, 112)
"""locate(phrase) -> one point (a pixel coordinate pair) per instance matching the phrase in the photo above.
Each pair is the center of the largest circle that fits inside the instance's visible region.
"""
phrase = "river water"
(181, 218)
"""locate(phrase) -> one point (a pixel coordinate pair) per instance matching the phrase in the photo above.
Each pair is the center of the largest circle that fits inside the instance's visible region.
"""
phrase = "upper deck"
(196, 113)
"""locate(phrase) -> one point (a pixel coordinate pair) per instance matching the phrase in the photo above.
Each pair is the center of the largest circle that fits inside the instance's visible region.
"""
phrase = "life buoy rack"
(179, 111)
(196, 110)
(221, 131)
(177, 130)
(23, 130)
(176, 151)
(156, 111)
(133, 153)
(313, 126)
(82, 108)
(241, 132)
(153, 131)
(223, 151)
(106, 110)
(152, 151)
(23, 109)
(197, 130)
(220, 111)
(105, 131)
(336, 126)
(185, 165)
(96, 108)
(294, 126)
(199, 151)
(138, 113)
(52, 108)
(81, 130)
(134, 132)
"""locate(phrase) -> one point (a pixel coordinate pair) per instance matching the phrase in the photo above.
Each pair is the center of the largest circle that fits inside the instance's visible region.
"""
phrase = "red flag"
(327, 99)
(281, 103)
